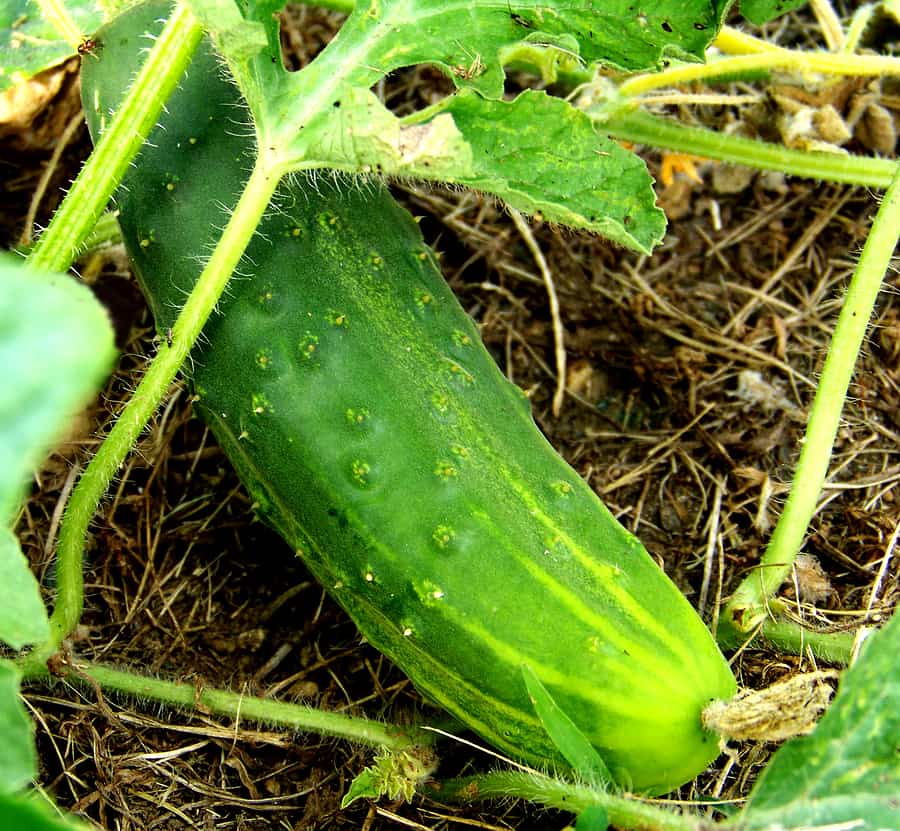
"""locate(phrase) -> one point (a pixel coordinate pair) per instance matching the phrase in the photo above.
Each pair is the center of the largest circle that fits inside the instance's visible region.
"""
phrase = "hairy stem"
(793, 638)
(57, 247)
(643, 128)
(623, 812)
(746, 610)
(143, 403)
(802, 62)
(246, 708)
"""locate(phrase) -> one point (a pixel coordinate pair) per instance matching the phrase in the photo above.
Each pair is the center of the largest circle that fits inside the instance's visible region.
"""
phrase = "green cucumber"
(376, 434)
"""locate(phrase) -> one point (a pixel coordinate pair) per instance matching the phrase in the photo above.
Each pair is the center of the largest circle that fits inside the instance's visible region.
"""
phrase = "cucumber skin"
(376, 434)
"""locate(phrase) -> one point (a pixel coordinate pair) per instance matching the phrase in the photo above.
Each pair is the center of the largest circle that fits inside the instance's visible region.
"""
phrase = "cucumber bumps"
(376, 434)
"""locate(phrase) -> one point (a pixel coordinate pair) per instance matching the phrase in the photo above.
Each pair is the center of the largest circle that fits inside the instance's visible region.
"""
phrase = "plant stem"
(141, 406)
(803, 62)
(57, 247)
(623, 812)
(793, 638)
(105, 232)
(746, 609)
(643, 128)
(246, 708)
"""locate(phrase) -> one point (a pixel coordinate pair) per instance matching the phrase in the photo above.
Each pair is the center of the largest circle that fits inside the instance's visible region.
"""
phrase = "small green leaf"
(27, 813)
(592, 818)
(56, 347)
(18, 757)
(394, 774)
(762, 11)
(364, 786)
(569, 740)
(23, 616)
(846, 773)
(29, 44)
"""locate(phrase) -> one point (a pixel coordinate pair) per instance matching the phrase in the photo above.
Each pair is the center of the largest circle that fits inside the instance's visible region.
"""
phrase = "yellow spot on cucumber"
(260, 404)
(445, 470)
(440, 402)
(360, 471)
(357, 417)
(308, 345)
(443, 535)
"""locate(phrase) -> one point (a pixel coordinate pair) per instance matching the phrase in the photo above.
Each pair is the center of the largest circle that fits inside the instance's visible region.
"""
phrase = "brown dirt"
(690, 374)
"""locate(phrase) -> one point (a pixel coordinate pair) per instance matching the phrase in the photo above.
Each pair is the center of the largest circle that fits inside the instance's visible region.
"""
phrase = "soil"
(689, 376)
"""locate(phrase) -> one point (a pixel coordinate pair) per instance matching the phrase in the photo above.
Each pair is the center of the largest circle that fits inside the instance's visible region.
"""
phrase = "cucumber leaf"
(846, 773)
(56, 346)
(27, 813)
(537, 153)
(569, 740)
(18, 756)
(761, 11)
(541, 155)
(23, 616)
(30, 44)
(449, 34)
(467, 40)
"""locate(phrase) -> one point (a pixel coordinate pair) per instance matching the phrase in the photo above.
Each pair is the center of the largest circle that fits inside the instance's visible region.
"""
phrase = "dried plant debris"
(788, 708)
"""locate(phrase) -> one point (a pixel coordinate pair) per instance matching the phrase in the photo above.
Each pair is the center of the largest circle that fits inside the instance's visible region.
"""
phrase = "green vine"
(747, 608)
(89, 195)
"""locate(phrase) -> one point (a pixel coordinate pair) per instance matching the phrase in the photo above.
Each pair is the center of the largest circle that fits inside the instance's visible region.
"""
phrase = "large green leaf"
(537, 153)
(18, 757)
(846, 773)
(56, 346)
(324, 116)
(23, 616)
(27, 813)
(30, 44)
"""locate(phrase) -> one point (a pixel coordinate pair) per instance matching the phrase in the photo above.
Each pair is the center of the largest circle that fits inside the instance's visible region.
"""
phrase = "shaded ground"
(689, 378)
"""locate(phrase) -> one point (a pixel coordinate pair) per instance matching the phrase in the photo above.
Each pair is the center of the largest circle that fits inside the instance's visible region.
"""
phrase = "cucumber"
(377, 435)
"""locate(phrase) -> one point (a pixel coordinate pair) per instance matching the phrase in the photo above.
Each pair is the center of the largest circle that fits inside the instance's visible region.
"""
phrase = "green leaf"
(18, 757)
(29, 44)
(592, 818)
(23, 616)
(569, 740)
(761, 11)
(365, 785)
(541, 155)
(537, 153)
(394, 774)
(466, 39)
(846, 773)
(56, 348)
(27, 813)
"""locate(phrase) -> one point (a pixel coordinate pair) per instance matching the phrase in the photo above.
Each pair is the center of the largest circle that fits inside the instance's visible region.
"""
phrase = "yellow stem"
(732, 41)
(802, 62)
